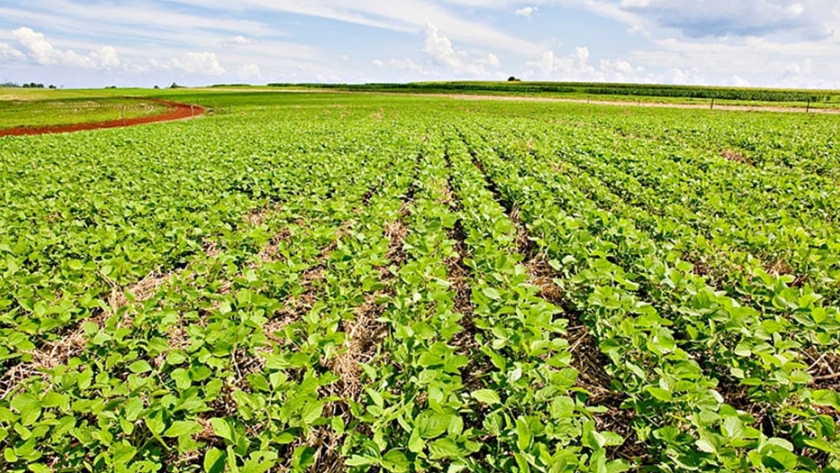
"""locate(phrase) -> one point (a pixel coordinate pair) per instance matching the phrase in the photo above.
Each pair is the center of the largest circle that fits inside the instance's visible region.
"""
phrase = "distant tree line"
(29, 85)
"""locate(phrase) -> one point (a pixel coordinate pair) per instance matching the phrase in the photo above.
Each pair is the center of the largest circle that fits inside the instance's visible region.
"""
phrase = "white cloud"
(240, 41)
(439, 48)
(440, 52)
(738, 81)
(785, 43)
(635, 3)
(690, 76)
(706, 18)
(249, 72)
(719, 18)
(637, 30)
(106, 57)
(405, 16)
(543, 66)
(526, 12)
(8, 52)
(121, 19)
(763, 62)
(36, 47)
(205, 64)
(443, 59)
(577, 67)
(796, 73)
(620, 69)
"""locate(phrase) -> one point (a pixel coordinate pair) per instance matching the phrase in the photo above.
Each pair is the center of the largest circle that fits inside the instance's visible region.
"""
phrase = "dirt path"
(174, 111)
(629, 104)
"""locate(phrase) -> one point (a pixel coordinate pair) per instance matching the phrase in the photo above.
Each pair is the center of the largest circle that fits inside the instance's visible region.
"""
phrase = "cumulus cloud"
(577, 67)
(440, 52)
(526, 12)
(106, 57)
(205, 63)
(36, 47)
(439, 48)
(442, 58)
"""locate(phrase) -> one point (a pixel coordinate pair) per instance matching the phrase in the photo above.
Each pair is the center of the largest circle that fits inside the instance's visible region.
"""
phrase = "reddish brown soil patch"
(174, 111)
(735, 157)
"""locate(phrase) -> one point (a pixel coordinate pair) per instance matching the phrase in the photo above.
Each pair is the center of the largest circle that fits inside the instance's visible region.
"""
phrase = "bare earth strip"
(174, 111)
(629, 104)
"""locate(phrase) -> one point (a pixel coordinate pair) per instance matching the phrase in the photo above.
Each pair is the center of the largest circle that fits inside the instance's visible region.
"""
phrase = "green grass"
(21, 94)
(32, 108)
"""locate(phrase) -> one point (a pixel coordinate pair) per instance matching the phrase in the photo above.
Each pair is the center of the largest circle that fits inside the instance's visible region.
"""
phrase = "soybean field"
(336, 282)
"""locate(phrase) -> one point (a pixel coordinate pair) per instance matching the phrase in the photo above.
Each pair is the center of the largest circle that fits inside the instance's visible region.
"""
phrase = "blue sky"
(77, 43)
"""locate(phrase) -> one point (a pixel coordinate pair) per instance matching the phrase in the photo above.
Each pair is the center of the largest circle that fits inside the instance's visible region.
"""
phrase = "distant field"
(358, 282)
(607, 92)
(32, 108)
(43, 107)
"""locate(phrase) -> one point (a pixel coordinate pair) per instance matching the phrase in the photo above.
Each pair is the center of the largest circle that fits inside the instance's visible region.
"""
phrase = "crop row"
(665, 330)
(227, 359)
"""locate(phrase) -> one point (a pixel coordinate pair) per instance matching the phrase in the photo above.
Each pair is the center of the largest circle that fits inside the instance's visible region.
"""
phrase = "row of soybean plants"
(412, 414)
(294, 411)
(539, 414)
(84, 213)
(215, 367)
(479, 386)
(666, 332)
(797, 308)
(742, 275)
(682, 230)
(812, 321)
(736, 260)
(787, 219)
(800, 144)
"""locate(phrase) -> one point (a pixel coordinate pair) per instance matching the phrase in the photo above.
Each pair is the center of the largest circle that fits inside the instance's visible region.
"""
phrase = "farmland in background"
(675, 94)
(65, 112)
(338, 281)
